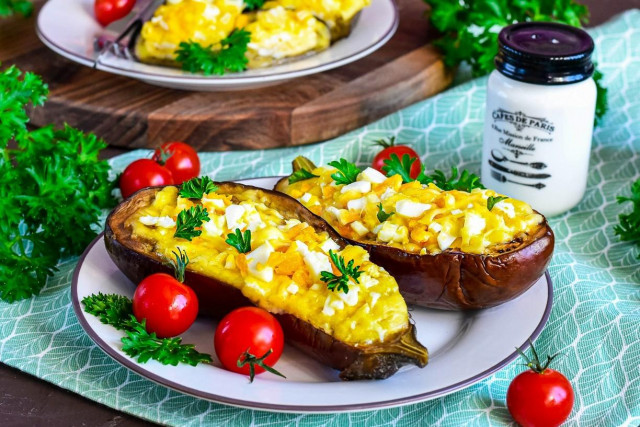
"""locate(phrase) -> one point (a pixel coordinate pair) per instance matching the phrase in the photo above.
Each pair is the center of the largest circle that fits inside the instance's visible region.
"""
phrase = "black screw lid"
(545, 53)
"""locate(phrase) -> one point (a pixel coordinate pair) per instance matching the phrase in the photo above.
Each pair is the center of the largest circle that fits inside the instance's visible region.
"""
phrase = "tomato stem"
(534, 363)
(180, 264)
(252, 360)
(165, 154)
(385, 143)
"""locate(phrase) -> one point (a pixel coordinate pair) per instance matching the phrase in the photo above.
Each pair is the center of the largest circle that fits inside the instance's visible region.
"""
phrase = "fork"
(497, 175)
(122, 45)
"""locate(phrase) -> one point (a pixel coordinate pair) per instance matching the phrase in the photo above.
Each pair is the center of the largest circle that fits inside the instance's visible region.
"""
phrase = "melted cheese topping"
(281, 273)
(425, 220)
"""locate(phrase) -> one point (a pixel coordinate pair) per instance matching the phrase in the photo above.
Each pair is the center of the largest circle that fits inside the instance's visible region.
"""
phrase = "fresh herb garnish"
(230, 57)
(240, 241)
(466, 182)
(629, 228)
(9, 7)
(470, 29)
(300, 175)
(144, 346)
(253, 4)
(180, 264)
(53, 187)
(117, 311)
(382, 215)
(340, 283)
(347, 172)
(196, 188)
(394, 166)
(190, 219)
(492, 201)
(111, 309)
(248, 358)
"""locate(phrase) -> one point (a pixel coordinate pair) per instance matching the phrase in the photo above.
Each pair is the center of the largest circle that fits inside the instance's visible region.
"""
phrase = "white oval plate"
(69, 28)
(463, 349)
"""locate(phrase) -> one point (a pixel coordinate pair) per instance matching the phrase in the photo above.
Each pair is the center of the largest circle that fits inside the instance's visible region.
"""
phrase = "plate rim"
(231, 79)
(353, 407)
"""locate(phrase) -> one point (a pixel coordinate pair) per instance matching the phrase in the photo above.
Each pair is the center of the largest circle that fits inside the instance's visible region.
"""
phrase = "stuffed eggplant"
(282, 264)
(454, 250)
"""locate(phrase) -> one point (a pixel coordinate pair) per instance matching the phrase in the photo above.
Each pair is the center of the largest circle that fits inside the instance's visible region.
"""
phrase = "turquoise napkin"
(595, 320)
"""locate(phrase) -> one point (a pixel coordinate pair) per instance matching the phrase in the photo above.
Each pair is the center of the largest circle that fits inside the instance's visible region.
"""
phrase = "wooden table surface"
(29, 401)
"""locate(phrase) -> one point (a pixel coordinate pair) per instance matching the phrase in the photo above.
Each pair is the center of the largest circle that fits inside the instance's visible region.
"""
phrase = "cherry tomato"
(108, 11)
(170, 307)
(141, 174)
(249, 329)
(390, 148)
(181, 160)
(540, 396)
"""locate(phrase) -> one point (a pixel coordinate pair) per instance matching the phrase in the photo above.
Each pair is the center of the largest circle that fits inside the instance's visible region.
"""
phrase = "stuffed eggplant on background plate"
(332, 302)
(453, 249)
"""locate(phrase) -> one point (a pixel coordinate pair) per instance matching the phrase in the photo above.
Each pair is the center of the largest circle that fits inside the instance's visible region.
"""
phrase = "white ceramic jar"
(539, 116)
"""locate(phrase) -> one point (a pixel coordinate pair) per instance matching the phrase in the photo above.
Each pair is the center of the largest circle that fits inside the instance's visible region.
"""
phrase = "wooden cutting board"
(129, 113)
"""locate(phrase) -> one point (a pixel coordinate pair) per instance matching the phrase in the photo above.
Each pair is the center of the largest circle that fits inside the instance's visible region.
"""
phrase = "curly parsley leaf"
(301, 175)
(196, 58)
(382, 215)
(492, 201)
(347, 172)
(340, 283)
(9, 7)
(253, 4)
(394, 166)
(466, 182)
(240, 241)
(111, 309)
(629, 228)
(190, 219)
(470, 29)
(196, 188)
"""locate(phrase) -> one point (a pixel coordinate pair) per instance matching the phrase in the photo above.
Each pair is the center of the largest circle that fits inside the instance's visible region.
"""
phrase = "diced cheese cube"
(372, 175)
(357, 204)
(328, 310)
(232, 214)
(373, 198)
(377, 229)
(359, 228)
(260, 255)
(456, 212)
(445, 240)
(160, 221)
(306, 197)
(367, 281)
(358, 186)
(474, 223)
(392, 232)
(505, 207)
(216, 203)
(214, 227)
(374, 298)
(351, 297)
(411, 209)
(328, 245)
(317, 262)
(435, 227)
(334, 211)
(337, 304)
(292, 288)
(387, 193)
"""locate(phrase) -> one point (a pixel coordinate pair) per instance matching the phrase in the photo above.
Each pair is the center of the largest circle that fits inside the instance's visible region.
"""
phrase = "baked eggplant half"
(259, 247)
(454, 250)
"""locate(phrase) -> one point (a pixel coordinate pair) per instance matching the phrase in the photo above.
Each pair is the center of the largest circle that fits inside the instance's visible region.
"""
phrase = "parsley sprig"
(253, 361)
(53, 188)
(492, 201)
(469, 32)
(465, 182)
(190, 219)
(240, 241)
(300, 175)
(347, 171)
(340, 283)
(196, 58)
(9, 7)
(117, 311)
(253, 4)
(382, 215)
(629, 228)
(196, 188)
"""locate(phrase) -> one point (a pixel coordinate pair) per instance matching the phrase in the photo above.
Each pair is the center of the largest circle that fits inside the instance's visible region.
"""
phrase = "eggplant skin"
(137, 260)
(455, 280)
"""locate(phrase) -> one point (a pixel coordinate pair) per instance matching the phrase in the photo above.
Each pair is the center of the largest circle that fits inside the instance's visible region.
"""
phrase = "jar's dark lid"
(545, 53)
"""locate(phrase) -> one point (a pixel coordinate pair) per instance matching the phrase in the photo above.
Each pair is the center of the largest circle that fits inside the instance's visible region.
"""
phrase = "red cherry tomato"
(252, 329)
(108, 11)
(141, 174)
(399, 150)
(170, 307)
(181, 160)
(540, 397)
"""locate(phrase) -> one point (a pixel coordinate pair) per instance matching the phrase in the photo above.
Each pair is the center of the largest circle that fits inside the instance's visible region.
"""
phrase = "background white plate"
(463, 349)
(68, 27)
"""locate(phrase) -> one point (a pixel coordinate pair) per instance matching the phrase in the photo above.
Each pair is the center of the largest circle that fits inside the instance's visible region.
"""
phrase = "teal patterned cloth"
(595, 320)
